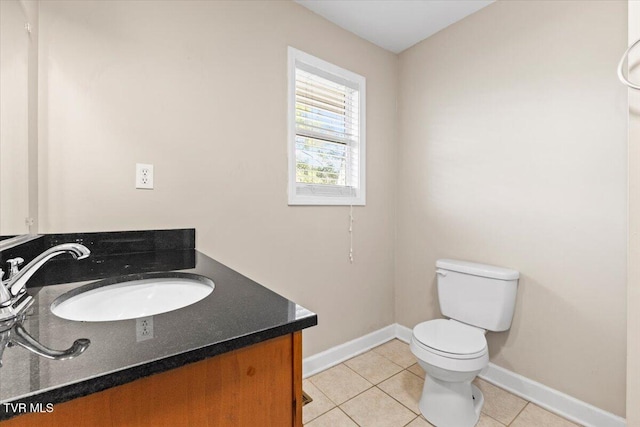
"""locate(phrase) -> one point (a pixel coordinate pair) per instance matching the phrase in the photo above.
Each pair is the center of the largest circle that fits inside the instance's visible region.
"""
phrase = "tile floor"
(382, 387)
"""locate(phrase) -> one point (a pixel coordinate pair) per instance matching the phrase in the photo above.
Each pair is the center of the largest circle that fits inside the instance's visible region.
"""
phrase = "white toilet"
(476, 298)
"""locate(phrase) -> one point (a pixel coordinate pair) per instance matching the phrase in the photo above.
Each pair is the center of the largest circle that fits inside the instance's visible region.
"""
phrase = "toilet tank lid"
(476, 269)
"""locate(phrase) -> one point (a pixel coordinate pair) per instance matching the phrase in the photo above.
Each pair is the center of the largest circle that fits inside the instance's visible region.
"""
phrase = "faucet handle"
(14, 265)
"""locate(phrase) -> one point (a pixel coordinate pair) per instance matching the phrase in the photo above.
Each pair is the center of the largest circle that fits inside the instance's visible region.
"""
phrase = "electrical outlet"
(144, 328)
(144, 176)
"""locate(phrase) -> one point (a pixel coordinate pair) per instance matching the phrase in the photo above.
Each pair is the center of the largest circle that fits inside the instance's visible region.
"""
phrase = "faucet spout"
(13, 333)
(22, 338)
(17, 283)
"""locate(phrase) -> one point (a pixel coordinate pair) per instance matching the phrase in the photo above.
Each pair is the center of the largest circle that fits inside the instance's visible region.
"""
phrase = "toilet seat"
(450, 339)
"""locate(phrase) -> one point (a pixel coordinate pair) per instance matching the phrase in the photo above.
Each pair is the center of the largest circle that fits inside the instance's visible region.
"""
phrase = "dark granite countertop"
(239, 312)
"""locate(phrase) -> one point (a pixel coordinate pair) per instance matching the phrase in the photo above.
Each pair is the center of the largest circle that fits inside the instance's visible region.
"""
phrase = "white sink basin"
(122, 299)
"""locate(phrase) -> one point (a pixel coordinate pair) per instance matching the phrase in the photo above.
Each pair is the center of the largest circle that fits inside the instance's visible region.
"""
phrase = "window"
(326, 133)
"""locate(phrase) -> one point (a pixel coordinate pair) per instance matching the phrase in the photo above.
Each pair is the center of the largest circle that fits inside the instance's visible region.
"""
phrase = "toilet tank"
(477, 294)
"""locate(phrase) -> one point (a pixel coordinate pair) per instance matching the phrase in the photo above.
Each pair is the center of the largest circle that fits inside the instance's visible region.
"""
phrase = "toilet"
(476, 298)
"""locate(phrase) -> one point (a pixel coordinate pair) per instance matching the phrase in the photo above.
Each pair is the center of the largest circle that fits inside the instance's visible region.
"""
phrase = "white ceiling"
(394, 25)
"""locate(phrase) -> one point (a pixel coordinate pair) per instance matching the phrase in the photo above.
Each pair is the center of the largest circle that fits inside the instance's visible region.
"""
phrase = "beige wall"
(633, 279)
(14, 62)
(512, 129)
(199, 90)
(512, 152)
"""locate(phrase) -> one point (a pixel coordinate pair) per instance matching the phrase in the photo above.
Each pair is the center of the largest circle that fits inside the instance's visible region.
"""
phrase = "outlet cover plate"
(144, 328)
(144, 176)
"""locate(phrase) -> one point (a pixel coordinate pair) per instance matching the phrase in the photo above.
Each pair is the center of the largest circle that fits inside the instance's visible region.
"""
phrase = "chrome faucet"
(14, 302)
(13, 333)
(13, 297)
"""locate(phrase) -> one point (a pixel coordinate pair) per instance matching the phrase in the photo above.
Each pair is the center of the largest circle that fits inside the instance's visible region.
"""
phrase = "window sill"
(326, 201)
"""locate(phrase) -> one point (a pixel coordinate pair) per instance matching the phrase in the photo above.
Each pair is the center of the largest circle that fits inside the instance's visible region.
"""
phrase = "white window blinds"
(327, 130)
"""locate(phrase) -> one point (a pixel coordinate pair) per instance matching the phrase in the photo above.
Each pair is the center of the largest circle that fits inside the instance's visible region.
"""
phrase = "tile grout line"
(381, 355)
(374, 385)
(345, 364)
(417, 416)
(321, 392)
(378, 383)
(322, 413)
(385, 393)
(411, 410)
(336, 405)
(351, 398)
(391, 340)
(489, 416)
(348, 416)
(324, 394)
(331, 400)
(518, 414)
(397, 399)
(413, 373)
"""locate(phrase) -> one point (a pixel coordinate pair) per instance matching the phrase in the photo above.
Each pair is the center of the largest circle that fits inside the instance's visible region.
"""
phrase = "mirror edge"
(17, 240)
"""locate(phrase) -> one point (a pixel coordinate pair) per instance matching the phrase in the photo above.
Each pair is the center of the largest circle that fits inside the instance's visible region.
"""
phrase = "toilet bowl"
(452, 355)
(452, 352)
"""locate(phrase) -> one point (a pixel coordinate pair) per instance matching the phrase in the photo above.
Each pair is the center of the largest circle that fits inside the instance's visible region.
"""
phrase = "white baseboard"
(319, 362)
(403, 333)
(552, 400)
(543, 396)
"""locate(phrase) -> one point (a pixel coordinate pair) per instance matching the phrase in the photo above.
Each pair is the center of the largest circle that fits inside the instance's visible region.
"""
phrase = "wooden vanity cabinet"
(256, 386)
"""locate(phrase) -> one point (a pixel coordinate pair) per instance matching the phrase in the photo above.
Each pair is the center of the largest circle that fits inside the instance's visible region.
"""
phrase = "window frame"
(303, 193)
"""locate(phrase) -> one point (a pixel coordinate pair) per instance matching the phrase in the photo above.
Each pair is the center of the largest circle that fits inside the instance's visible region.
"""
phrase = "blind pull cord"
(351, 234)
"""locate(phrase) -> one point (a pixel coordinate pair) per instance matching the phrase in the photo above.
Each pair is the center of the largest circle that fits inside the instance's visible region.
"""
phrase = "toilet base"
(450, 404)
